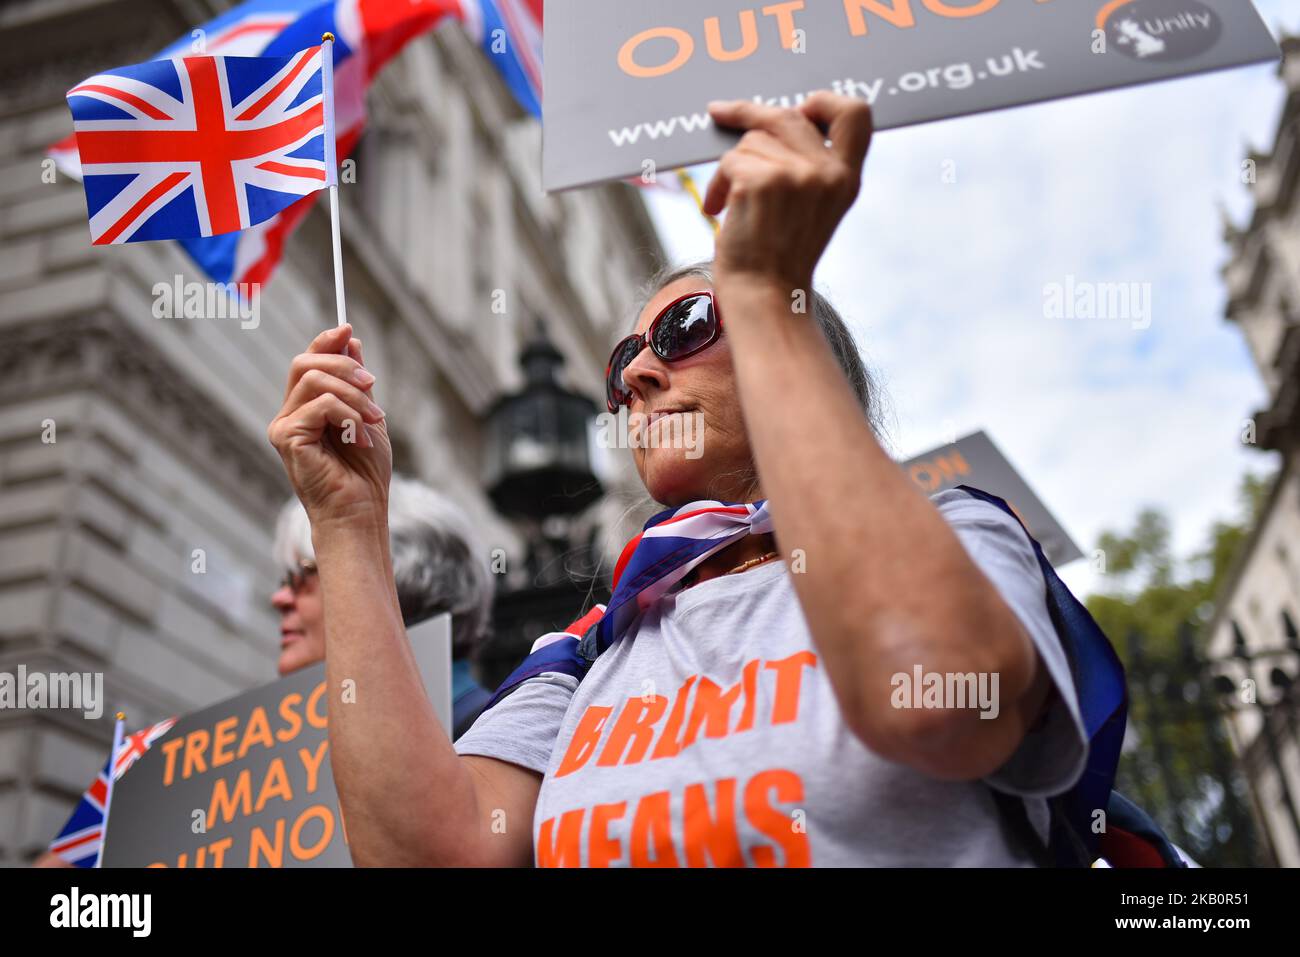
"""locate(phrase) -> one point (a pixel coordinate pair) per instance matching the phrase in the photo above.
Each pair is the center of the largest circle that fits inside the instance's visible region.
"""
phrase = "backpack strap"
(1103, 705)
(1134, 839)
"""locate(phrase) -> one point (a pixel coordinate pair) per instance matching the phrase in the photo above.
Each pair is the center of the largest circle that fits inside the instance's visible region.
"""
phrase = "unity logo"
(1159, 30)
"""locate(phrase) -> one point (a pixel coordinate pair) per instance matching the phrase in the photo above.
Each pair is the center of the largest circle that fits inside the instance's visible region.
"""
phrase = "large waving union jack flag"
(201, 145)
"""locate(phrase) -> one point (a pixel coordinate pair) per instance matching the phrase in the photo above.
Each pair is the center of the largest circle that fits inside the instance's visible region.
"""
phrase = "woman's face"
(302, 624)
(679, 461)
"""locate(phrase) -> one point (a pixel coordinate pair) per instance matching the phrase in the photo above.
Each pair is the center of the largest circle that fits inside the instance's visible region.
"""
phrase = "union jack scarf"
(668, 547)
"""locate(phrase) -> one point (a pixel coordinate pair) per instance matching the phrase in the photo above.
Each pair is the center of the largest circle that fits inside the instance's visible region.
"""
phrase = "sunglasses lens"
(687, 327)
(616, 394)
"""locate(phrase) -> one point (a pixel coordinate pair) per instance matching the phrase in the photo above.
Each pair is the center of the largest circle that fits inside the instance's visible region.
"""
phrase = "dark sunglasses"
(295, 578)
(686, 326)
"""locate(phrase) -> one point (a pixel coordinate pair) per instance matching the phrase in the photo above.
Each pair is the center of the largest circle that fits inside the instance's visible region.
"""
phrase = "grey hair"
(829, 320)
(437, 563)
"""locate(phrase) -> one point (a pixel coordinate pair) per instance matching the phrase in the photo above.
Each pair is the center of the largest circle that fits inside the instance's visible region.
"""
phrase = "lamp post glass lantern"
(538, 461)
(538, 473)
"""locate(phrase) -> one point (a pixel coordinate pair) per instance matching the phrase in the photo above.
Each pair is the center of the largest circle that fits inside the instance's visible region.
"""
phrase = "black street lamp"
(538, 473)
(538, 452)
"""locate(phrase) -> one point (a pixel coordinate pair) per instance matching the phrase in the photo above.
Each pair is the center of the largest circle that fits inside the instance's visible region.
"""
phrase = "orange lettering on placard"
(312, 763)
(602, 850)
(317, 719)
(290, 715)
(223, 736)
(276, 784)
(789, 679)
(219, 849)
(946, 9)
(899, 13)
(627, 58)
(259, 845)
(585, 738)
(668, 745)
(225, 805)
(774, 823)
(196, 743)
(784, 13)
(931, 475)
(257, 731)
(652, 832)
(635, 724)
(327, 831)
(748, 38)
(709, 836)
(169, 750)
(562, 848)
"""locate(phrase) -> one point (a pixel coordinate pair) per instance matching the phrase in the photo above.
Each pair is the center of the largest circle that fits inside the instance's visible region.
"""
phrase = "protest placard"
(247, 782)
(977, 462)
(627, 84)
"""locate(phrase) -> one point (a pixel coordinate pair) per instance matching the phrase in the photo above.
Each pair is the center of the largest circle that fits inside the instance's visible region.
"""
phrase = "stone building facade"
(1258, 613)
(137, 489)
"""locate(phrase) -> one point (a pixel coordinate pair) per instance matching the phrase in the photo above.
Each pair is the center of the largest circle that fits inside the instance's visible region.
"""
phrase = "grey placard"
(977, 462)
(274, 805)
(914, 60)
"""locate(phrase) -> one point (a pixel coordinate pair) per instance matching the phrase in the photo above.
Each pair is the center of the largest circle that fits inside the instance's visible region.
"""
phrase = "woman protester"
(739, 703)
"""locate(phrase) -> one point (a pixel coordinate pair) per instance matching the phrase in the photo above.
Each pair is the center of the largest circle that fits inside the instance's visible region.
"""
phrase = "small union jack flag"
(82, 836)
(202, 145)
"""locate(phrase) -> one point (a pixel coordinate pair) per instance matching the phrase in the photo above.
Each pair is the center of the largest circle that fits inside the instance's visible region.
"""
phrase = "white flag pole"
(332, 169)
(108, 793)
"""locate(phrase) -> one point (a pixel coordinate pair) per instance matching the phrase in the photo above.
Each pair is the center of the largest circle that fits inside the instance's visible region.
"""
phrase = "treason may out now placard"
(627, 83)
(247, 782)
(977, 462)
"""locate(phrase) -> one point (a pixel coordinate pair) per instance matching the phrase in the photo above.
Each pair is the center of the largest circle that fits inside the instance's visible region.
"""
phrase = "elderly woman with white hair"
(738, 701)
(438, 566)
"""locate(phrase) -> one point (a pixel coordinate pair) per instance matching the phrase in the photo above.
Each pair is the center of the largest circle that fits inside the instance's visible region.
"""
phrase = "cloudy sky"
(943, 284)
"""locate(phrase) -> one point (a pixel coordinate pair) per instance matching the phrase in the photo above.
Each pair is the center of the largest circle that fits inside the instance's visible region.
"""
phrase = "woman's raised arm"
(407, 798)
(888, 585)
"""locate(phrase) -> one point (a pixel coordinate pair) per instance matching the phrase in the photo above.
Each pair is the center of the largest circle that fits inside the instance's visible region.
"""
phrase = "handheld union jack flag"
(369, 33)
(82, 836)
(202, 145)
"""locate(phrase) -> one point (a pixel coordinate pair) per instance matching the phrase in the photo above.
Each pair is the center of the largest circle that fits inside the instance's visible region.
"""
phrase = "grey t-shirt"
(710, 736)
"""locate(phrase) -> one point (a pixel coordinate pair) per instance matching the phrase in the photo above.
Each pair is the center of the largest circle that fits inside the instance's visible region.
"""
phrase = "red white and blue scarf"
(668, 547)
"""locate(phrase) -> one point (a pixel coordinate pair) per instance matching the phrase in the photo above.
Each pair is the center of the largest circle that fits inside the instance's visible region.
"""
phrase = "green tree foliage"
(1176, 760)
